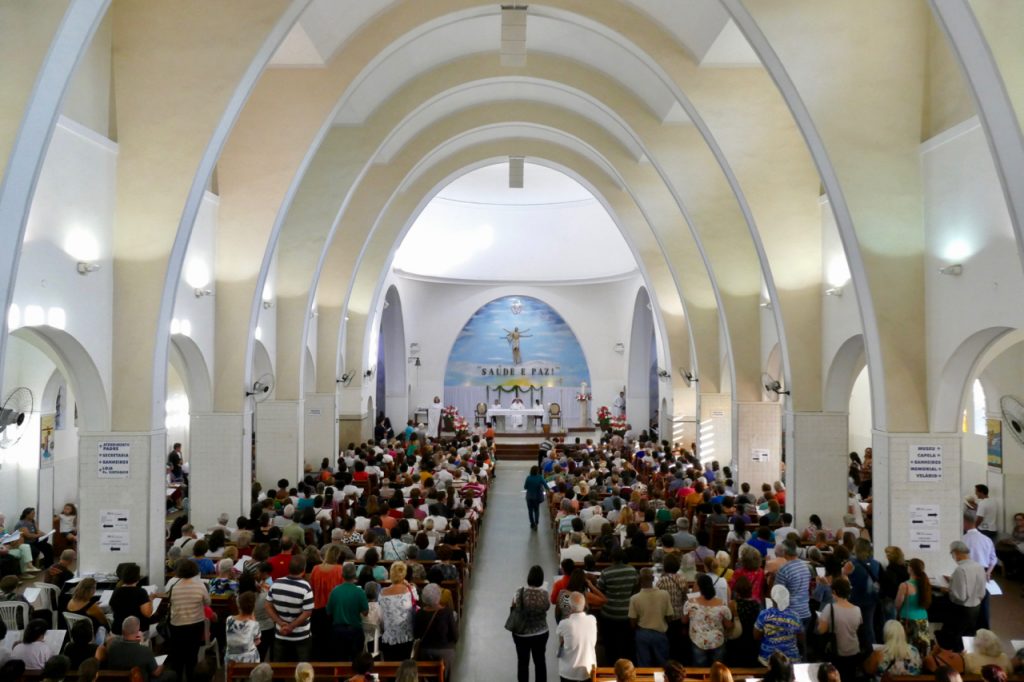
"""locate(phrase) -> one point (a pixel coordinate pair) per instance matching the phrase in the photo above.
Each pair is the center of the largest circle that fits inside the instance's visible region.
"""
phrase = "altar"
(504, 412)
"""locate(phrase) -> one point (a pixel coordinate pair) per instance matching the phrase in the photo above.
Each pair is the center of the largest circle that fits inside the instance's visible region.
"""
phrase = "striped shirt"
(290, 597)
(618, 582)
(795, 576)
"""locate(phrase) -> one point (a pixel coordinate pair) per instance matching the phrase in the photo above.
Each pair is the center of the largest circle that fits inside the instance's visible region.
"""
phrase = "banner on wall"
(994, 443)
(516, 341)
(47, 426)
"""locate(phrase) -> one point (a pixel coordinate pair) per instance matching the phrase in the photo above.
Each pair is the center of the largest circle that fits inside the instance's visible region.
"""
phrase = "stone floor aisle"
(507, 550)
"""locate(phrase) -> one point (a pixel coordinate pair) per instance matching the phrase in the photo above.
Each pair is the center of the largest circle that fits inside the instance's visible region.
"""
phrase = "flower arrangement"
(448, 415)
(460, 426)
(604, 417)
(618, 424)
(583, 397)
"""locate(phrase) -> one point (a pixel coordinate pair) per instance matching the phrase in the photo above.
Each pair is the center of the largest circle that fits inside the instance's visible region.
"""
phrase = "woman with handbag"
(896, 657)
(188, 599)
(840, 619)
(435, 630)
(528, 623)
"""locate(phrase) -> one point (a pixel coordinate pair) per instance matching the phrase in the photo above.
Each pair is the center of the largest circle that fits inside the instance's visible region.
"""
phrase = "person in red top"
(360, 472)
(279, 562)
(568, 566)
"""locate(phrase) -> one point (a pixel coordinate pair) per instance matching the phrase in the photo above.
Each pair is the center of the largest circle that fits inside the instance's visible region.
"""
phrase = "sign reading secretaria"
(925, 463)
(113, 459)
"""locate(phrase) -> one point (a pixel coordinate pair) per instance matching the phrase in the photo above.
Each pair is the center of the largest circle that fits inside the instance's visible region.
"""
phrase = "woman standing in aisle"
(536, 489)
(532, 638)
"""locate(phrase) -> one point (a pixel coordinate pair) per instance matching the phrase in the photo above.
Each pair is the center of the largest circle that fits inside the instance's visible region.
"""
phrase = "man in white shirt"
(575, 551)
(577, 641)
(966, 593)
(787, 528)
(187, 539)
(987, 513)
(619, 405)
(595, 525)
(983, 551)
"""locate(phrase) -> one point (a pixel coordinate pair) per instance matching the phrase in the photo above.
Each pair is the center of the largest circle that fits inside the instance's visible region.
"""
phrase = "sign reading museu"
(516, 341)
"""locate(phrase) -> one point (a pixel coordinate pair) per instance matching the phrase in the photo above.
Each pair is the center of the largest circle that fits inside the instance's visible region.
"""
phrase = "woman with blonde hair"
(304, 672)
(397, 611)
(719, 673)
(407, 672)
(896, 657)
(723, 563)
(988, 650)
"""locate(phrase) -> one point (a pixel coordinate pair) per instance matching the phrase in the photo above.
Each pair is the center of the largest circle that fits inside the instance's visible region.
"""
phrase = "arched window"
(980, 412)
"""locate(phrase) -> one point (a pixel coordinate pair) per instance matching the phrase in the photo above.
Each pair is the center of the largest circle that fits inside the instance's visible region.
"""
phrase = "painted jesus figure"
(513, 340)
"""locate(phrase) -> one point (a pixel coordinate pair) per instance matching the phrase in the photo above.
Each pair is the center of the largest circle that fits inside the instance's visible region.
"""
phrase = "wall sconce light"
(203, 292)
(662, 374)
(415, 362)
(368, 373)
(387, 305)
(619, 347)
(766, 304)
(85, 267)
(834, 291)
(955, 270)
(267, 305)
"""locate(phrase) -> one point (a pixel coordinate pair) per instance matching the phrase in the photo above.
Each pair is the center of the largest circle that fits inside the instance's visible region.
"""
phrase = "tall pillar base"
(759, 432)
(816, 467)
(319, 437)
(279, 441)
(220, 467)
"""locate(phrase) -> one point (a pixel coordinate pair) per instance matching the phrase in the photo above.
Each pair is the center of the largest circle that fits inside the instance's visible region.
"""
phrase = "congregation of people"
(665, 563)
(364, 561)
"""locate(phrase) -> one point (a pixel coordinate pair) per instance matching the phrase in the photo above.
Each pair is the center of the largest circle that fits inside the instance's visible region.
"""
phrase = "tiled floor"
(508, 548)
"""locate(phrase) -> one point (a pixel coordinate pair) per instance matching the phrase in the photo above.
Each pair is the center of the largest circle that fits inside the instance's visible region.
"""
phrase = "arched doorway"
(642, 370)
(392, 385)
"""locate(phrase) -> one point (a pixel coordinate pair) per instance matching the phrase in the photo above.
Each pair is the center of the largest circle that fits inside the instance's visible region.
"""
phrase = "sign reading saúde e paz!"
(925, 463)
(113, 460)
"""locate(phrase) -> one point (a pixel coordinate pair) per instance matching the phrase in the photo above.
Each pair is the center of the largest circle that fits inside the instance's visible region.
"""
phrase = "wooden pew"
(428, 671)
(692, 674)
(103, 676)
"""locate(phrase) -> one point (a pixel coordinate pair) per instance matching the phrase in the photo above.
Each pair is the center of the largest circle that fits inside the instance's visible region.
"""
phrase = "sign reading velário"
(925, 463)
(113, 459)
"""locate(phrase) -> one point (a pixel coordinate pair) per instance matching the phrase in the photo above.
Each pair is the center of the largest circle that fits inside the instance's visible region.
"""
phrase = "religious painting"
(47, 427)
(994, 443)
(516, 341)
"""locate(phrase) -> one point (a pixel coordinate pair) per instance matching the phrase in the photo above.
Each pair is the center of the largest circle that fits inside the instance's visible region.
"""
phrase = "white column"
(140, 493)
(759, 428)
(320, 435)
(894, 493)
(279, 441)
(716, 428)
(220, 467)
(816, 467)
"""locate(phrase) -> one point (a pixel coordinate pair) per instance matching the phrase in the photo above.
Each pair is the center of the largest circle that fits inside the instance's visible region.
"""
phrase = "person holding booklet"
(38, 542)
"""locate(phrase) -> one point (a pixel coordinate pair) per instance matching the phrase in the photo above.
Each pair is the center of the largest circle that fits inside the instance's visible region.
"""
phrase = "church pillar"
(911, 471)
(279, 436)
(319, 435)
(121, 481)
(715, 438)
(759, 443)
(352, 415)
(816, 466)
(220, 475)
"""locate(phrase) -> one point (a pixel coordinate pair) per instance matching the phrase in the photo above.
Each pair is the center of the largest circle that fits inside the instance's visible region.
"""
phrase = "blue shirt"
(780, 630)
(535, 488)
(760, 545)
(795, 576)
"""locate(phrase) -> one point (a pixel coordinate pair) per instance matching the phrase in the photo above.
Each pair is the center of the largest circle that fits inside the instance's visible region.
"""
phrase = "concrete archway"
(843, 371)
(392, 374)
(953, 384)
(187, 360)
(639, 398)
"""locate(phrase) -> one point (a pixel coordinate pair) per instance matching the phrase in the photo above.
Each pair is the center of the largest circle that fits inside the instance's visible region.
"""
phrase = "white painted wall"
(860, 413)
(599, 314)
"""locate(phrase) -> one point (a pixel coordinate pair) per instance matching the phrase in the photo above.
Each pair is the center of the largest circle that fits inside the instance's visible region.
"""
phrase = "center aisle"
(507, 550)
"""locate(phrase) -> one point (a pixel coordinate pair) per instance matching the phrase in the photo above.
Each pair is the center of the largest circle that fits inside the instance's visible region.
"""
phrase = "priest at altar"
(434, 418)
(517, 421)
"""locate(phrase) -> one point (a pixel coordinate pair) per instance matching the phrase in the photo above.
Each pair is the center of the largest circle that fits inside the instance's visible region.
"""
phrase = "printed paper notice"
(759, 454)
(924, 538)
(925, 463)
(114, 541)
(924, 516)
(113, 519)
(113, 460)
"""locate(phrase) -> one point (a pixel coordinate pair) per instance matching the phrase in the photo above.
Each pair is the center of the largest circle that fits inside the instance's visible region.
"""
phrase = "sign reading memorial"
(113, 459)
(516, 341)
(925, 463)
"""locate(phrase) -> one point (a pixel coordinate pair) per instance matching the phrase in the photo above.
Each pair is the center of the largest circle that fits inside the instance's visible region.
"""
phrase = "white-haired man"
(577, 641)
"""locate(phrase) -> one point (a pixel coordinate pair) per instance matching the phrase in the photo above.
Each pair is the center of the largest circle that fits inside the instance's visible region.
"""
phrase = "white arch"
(638, 394)
(843, 371)
(308, 373)
(75, 33)
(75, 363)
(262, 363)
(392, 332)
(188, 361)
(953, 382)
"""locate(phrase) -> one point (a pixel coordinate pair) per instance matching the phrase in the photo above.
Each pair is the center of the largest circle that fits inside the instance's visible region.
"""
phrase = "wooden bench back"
(428, 670)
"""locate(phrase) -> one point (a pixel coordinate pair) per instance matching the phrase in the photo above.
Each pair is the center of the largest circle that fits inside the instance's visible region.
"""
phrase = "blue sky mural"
(549, 354)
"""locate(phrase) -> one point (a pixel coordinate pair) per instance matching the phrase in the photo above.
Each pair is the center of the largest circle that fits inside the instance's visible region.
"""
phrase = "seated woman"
(810, 533)
(129, 599)
(224, 585)
(1009, 550)
(896, 657)
(988, 650)
(85, 602)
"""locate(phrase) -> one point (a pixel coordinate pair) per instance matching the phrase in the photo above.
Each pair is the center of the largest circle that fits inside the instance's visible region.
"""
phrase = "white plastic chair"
(52, 598)
(72, 618)
(14, 614)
